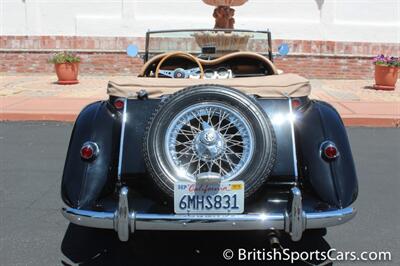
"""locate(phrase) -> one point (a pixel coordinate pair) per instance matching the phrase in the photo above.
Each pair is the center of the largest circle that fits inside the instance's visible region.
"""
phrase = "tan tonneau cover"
(283, 85)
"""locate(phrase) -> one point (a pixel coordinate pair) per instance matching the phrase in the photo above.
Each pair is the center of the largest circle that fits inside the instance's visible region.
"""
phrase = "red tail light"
(89, 150)
(329, 150)
(119, 103)
(296, 103)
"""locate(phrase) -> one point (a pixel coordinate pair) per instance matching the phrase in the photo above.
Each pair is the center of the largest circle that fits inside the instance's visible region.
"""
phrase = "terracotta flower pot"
(386, 77)
(67, 73)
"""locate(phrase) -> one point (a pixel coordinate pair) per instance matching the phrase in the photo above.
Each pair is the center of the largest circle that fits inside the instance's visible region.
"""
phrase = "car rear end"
(294, 168)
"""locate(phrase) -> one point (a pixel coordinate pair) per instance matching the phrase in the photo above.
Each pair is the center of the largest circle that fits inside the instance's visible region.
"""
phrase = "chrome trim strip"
(291, 120)
(294, 221)
(121, 144)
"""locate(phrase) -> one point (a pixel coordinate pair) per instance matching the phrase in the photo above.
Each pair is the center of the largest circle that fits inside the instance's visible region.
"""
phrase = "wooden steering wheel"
(179, 54)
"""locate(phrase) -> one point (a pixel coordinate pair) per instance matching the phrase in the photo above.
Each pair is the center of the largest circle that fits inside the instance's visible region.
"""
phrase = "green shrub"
(64, 57)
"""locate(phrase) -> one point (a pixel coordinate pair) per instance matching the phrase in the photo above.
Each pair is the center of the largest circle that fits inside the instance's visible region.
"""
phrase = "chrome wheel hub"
(210, 139)
(209, 144)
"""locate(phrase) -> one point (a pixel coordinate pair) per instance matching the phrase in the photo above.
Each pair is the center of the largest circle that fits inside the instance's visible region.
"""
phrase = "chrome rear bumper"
(294, 221)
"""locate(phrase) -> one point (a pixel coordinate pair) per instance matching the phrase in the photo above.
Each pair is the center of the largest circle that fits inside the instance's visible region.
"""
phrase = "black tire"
(262, 159)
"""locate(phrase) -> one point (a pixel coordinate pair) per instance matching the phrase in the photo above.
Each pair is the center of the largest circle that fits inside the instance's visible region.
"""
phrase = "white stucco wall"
(337, 20)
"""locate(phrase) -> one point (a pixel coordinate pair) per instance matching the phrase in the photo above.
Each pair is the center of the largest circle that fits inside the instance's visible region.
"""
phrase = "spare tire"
(209, 132)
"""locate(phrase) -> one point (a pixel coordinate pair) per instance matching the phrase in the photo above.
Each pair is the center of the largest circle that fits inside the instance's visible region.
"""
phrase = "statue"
(223, 13)
(231, 19)
(224, 17)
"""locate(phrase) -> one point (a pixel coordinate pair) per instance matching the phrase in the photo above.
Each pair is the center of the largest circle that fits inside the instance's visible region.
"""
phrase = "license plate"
(218, 198)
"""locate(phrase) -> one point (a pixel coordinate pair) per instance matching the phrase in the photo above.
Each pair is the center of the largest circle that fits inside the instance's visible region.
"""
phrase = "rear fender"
(335, 181)
(83, 181)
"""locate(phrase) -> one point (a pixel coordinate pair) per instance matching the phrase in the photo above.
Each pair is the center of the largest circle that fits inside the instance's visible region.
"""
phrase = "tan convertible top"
(265, 87)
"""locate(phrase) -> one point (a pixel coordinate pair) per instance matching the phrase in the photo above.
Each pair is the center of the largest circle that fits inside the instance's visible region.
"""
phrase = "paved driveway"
(33, 232)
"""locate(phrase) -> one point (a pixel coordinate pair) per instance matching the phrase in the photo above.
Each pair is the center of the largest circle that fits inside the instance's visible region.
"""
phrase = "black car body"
(115, 174)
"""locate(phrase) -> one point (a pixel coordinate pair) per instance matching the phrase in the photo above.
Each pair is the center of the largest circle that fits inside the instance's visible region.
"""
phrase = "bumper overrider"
(293, 221)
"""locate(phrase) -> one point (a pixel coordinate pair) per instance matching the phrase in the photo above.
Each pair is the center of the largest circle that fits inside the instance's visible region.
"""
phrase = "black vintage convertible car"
(209, 136)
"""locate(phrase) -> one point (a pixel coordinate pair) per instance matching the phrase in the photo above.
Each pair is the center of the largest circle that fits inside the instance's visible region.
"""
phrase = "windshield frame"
(268, 53)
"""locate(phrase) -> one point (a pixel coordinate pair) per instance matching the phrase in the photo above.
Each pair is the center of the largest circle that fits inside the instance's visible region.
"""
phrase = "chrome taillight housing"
(328, 150)
(89, 150)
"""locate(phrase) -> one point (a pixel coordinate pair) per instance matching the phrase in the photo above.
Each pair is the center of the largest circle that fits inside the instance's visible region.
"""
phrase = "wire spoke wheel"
(209, 138)
(209, 133)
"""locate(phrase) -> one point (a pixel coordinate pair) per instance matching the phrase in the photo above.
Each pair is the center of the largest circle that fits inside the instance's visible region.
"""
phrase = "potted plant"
(386, 72)
(67, 67)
